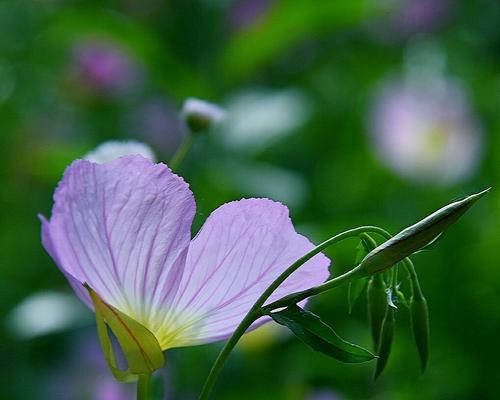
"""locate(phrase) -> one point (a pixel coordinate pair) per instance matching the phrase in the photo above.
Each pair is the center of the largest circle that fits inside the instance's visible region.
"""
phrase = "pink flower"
(103, 66)
(426, 131)
(124, 227)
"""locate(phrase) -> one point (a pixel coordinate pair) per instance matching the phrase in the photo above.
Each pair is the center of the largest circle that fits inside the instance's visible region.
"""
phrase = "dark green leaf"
(309, 328)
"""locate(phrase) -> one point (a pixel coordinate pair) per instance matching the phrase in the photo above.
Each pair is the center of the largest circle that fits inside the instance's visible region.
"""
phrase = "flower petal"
(240, 250)
(124, 228)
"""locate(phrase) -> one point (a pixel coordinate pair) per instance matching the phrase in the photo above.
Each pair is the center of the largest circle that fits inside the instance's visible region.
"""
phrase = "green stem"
(256, 310)
(143, 387)
(296, 297)
(415, 284)
(181, 152)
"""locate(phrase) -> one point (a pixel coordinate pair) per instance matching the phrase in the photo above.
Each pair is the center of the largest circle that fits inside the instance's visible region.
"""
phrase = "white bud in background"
(113, 149)
(201, 115)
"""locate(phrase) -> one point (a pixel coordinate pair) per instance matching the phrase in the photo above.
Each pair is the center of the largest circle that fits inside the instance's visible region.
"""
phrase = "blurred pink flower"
(406, 18)
(246, 12)
(426, 131)
(102, 66)
(414, 16)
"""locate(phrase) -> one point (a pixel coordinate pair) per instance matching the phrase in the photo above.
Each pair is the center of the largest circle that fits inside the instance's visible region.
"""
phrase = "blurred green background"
(351, 112)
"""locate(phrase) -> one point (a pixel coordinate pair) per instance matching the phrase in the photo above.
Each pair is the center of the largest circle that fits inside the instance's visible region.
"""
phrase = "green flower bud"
(416, 236)
(420, 326)
(355, 288)
(377, 306)
(385, 344)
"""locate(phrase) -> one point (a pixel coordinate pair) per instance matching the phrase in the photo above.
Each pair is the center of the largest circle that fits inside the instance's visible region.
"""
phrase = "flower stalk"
(143, 387)
(182, 151)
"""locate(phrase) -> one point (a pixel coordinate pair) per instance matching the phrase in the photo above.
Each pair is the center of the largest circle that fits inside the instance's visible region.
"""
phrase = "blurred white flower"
(200, 114)
(47, 312)
(114, 149)
(426, 131)
(259, 117)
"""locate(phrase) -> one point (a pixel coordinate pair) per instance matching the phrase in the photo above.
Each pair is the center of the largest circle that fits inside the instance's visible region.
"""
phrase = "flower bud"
(385, 344)
(377, 306)
(201, 115)
(416, 236)
(420, 325)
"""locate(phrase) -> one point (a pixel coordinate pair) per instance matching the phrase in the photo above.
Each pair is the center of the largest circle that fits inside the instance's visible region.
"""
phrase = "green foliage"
(311, 330)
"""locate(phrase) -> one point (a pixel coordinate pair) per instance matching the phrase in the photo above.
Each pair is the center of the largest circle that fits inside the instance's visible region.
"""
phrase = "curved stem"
(256, 311)
(415, 284)
(143, 387)
(181, 152)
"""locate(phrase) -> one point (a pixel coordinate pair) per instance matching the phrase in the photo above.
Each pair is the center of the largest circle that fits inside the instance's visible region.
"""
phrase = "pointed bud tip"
(478, 195)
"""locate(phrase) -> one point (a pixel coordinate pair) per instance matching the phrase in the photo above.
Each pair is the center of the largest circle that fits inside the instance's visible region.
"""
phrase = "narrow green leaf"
(416, 236)
(139, 345)
(385, 344)
(309, 328)
(420, 326)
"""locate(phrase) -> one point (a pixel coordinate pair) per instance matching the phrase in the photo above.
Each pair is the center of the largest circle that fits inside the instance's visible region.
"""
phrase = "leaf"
(139, 345)
(413, 238)
(309, 328)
